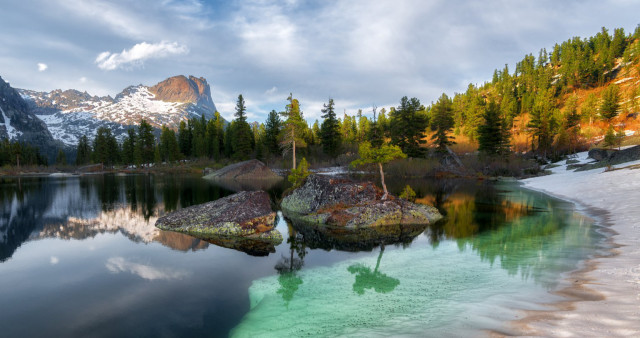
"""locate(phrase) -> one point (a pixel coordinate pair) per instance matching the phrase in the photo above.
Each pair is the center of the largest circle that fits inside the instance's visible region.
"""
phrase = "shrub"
(299, 174)
(408, 194)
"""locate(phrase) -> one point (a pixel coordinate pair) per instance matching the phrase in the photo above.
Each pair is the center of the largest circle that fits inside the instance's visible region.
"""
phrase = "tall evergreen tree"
(293, 128)
(610, 103)
(83, 151)
(375, 133)
(492, 138)
(330, 132)
(146, 143)
(168, 147)
(129, 147)
(105, 147)
(407, 127)
(442, 113)
(242, 134)
(184, 138)
(272, 130)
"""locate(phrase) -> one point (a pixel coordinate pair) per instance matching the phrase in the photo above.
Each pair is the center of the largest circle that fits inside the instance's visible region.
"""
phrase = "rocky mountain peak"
(186, 90)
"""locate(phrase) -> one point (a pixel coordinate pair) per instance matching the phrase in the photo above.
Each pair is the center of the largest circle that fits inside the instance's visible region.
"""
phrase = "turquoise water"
(80, 256)
(453, 286)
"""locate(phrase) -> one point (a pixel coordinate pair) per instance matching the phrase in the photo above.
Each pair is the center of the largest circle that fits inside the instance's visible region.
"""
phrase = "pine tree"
(242, 134)
(572, 122)
(491, 135)
(168, 147)
(128, 147)
(375, 134)
(184, 138)
(293, 128)
(61, 157)
(407, 127)
(610, 103)
(272, 130)
(105, 147)
(443, 123)
(83, 151)
(146, 142)
(330, 132)
(380, 156)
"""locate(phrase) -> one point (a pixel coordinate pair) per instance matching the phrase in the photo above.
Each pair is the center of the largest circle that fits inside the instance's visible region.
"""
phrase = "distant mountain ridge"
(69, 114)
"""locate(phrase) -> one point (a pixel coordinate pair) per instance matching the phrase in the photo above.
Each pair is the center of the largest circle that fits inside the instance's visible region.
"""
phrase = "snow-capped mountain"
(18, 123)
(70, 114)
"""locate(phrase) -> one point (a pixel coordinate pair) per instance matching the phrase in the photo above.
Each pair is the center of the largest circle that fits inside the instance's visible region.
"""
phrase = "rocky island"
(242, 221)
(347, 215)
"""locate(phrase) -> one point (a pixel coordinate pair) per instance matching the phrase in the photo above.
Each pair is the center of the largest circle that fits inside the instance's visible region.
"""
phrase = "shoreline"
(603, 294)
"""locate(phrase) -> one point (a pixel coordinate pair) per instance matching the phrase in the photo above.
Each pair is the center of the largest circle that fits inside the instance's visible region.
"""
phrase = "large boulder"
(243, 216)
(247, 170)
(344, 204)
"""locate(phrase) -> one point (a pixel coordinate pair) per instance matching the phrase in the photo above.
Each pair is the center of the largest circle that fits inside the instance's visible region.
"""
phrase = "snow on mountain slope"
(12, 133)
(70, 114)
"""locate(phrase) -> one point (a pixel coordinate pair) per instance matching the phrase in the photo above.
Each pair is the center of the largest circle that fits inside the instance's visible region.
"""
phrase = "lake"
(80, 256)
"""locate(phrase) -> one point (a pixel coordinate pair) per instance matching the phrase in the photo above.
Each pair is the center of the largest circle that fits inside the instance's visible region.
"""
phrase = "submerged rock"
(344, 204)
(243, 216)
(247, 170)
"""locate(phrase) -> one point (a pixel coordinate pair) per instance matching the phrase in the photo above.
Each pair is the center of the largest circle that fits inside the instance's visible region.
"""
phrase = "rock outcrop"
(606, 157)
(186, 90)
(247, 170)
(242, 216)
(343, 204)
(18, 123)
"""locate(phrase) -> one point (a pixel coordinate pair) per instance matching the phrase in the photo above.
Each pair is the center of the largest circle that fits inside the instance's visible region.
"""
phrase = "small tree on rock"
(382, 155)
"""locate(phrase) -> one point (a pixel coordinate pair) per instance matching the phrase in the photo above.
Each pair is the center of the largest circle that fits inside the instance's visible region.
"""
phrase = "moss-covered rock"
(344, 204)
(243, 216)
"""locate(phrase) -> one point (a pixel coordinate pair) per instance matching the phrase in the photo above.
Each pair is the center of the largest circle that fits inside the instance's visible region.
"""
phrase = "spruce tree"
(330, 131)
(83, 155)
(490, 132)
(242, 134)
(128, 147)
(407, 127)
(146, 143)
(442, 123)
(272, 130)
(610, 103)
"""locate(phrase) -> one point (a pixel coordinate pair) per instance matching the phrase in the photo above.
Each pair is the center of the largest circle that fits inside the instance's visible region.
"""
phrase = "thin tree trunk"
(384, 186)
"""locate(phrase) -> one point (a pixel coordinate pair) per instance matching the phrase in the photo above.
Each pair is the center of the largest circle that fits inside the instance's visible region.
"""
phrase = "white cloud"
(83, 79)
(120, 264)
(272, 90)
(138, 54)
(54, 260)
(42, 67)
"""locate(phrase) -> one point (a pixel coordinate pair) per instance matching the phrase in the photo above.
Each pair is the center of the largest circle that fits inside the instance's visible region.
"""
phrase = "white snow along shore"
(617, 277)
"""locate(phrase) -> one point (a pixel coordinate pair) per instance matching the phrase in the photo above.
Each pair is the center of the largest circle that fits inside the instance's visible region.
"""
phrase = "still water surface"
(80, 256)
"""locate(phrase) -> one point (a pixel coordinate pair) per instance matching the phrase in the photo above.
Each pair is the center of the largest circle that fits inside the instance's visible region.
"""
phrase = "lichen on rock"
(246, 215)
(341, 203)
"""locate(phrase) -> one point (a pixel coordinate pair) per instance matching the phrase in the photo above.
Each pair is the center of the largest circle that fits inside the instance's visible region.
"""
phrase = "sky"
(358, 52)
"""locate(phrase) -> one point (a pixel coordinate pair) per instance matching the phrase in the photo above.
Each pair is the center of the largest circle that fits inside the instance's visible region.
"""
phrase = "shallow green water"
(80, 257)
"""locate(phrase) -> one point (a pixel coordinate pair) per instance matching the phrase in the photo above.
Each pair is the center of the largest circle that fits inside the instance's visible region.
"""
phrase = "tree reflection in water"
(288, 267)
(367, 279)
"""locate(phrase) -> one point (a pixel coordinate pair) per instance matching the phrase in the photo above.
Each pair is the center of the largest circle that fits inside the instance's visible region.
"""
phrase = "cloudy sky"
(358, 52)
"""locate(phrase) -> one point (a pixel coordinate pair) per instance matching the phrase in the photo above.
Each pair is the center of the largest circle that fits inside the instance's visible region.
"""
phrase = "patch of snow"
(12, 133)
(623, 80)
(615, 277)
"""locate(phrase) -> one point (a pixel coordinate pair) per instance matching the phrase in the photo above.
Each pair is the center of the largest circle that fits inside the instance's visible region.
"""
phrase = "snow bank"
(616, 277)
